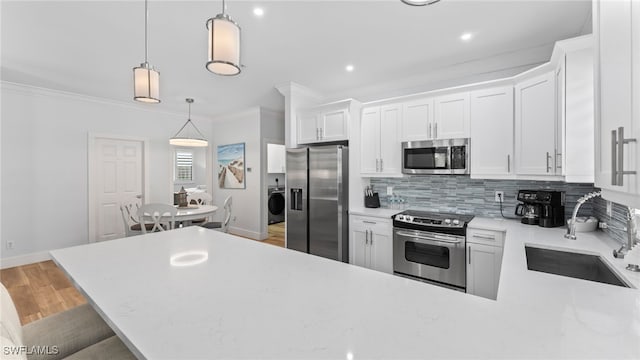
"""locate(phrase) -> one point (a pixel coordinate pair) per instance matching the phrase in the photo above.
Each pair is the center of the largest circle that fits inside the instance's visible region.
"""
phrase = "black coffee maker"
(544, 208)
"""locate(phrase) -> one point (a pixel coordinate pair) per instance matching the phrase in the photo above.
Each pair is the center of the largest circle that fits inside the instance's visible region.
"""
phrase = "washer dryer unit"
(276, 205)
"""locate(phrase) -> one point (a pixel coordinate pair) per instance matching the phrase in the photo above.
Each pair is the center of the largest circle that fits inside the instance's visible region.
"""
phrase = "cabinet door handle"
(366, 237)
(321, 133)
(377, 165)
(548, 167)
(469, 252)
(614, 158)
(369, 222)
(429, 132)
(370, 237)
(435, 130)
(558, 161)
(381, 165)
(508, 163)
(620, 167)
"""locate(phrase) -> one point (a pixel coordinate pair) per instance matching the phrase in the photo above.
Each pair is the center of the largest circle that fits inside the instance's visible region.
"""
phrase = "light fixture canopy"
(189, 135)
(419, 2)
(146, 79)
(224, 45)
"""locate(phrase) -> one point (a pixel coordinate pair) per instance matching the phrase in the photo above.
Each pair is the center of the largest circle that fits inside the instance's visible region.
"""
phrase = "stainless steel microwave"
(448, 156)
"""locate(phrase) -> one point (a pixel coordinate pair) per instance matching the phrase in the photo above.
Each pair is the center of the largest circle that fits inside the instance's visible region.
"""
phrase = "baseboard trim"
(245, 233)
(26, 259)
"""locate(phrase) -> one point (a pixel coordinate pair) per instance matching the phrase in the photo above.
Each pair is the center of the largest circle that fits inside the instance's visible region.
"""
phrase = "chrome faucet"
(631, 236)
(571, 228)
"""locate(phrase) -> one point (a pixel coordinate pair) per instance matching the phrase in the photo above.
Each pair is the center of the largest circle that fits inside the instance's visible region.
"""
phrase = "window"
(184, 166)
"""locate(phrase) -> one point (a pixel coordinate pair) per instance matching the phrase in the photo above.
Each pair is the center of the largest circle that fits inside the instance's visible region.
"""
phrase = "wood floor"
(42, 289)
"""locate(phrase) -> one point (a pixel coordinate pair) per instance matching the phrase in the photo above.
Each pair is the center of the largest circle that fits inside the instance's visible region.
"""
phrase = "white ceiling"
(90, 47)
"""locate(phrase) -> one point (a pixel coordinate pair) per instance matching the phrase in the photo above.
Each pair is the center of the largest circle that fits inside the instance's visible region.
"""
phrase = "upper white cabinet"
(418, 120)
(276, 155)
(379, 144)
(492, 132)
(535, 125)
(617, 117)
(324, 123)
(443, 117)
(370, 243)
(452, 116)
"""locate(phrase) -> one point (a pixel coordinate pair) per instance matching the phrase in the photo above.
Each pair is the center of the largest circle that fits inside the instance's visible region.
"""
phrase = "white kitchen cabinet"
(617, 117)
(379, 145)
(492, 133)
(276, 158)
(370, 243)
(535, 125)
(484, 261)
(324, 123)
(452, 116)
(418, 120)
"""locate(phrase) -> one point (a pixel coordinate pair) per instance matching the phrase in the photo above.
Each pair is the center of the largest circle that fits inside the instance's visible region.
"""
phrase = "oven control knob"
(456, 222)
(409, 218)
(400, 217)
(447, 221)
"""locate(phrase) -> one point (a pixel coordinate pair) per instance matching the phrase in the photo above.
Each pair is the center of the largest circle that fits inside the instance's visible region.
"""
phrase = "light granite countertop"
(252, 300)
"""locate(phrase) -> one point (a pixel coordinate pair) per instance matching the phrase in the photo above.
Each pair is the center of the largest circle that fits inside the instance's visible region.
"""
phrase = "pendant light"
(189, 135)
(146, 79)
(224, 45)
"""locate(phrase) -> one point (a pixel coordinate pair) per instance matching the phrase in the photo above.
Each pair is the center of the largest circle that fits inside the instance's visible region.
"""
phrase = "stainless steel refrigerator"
(317, 183)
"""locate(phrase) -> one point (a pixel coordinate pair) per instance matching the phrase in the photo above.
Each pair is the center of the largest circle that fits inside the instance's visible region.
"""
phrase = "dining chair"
(161, 217)
(222, 225)
(199, 198)
(129, 210)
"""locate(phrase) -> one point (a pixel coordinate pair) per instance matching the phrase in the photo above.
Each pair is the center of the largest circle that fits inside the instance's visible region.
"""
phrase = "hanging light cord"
(146, 31)
(187, 123)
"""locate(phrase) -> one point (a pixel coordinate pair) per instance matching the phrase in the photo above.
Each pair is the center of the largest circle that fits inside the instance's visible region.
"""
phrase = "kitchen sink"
(570, 264)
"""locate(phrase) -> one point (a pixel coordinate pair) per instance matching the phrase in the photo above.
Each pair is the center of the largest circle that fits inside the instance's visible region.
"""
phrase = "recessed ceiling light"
(259, 12)
(349, 68)
(466, 36)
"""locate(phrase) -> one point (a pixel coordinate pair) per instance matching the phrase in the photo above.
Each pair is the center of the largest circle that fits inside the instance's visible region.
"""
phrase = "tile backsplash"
(461, 194)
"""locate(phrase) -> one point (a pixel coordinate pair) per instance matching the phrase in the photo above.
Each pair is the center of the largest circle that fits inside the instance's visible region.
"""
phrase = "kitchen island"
(193, 293)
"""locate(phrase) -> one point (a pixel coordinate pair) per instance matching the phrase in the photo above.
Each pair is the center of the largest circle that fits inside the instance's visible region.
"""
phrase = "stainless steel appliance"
(317, 201)
(541, 207)
(450, 156)
(275, 204)
(431, 247)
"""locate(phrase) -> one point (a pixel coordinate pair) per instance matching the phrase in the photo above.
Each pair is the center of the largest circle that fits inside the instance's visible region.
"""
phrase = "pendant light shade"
(146, 84)
(189, 135)
(146, 79)
(224, 45)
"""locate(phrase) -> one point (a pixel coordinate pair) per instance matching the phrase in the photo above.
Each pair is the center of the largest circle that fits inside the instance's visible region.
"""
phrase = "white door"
(308, 130)
(370, 141)
(492, 131)
(452, 116)
(417, 119)
(359, 247)
(118, 176)
(333, 125)
(390, 151)
(483, 270)
(381, 252)
(535, 124)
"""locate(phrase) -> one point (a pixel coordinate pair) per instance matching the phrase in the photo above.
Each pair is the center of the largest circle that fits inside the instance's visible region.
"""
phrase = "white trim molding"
(25, 259)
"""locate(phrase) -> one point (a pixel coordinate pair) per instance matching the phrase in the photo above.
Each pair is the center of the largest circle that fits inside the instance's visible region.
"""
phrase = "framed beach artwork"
(231, 174)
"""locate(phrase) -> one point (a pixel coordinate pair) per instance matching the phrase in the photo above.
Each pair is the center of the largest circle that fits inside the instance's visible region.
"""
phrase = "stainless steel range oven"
(431, 247)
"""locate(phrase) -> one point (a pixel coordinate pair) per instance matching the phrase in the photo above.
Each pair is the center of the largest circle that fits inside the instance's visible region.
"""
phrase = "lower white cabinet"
(370, 243)
(484, 260)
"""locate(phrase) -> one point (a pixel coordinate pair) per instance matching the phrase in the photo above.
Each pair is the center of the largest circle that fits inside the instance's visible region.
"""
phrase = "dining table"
(193, 212)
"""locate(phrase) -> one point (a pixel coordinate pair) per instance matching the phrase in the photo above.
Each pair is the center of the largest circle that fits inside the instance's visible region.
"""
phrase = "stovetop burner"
(432, 221)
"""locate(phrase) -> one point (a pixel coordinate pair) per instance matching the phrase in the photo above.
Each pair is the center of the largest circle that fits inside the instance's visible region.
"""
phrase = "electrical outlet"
(499, 196)
(609, 208)
(9, 245)
(389, 190)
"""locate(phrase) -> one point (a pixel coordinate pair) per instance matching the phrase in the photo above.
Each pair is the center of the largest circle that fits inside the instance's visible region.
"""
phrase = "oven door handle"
(429, 238)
